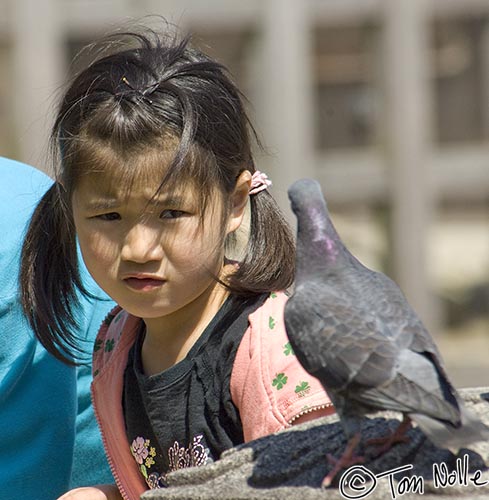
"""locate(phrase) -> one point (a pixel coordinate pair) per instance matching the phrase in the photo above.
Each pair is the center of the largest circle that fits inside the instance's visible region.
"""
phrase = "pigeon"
(353, 329)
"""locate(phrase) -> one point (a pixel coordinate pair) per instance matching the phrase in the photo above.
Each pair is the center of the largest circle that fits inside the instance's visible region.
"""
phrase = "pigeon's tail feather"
(453, 438)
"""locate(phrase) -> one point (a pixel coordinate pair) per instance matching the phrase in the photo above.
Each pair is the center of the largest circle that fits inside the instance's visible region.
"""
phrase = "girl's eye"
(110, 216)
(172, 214)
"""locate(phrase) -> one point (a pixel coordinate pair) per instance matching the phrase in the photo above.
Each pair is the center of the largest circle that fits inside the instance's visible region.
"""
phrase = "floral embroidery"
(195, 455)
(155, 481)
(139, 449)
(179, 457)
(144, 455)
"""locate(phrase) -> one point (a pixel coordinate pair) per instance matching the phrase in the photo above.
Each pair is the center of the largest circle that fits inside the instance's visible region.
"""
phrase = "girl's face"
(153, 255)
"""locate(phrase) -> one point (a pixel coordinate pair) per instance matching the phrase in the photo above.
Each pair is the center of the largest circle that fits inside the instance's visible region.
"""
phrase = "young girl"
(154, 177)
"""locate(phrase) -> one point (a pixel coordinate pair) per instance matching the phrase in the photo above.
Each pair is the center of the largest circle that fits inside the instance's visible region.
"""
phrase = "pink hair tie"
(259, 182)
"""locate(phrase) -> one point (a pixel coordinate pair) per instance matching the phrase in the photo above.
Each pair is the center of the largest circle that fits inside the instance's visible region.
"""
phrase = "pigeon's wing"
(420, 382)
(355, 351)
(421, 388)
(386, 297)
(418, 387)
(338, 342)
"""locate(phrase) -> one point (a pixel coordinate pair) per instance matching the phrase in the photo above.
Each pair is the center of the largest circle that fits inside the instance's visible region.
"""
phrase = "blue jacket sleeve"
(39, 409)
(37, 393)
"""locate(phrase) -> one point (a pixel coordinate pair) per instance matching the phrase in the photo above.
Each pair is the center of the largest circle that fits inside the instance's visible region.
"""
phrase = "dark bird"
(353, 329)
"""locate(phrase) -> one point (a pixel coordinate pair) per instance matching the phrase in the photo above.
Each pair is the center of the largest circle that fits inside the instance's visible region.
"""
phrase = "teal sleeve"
(37, 393)
(49, 436)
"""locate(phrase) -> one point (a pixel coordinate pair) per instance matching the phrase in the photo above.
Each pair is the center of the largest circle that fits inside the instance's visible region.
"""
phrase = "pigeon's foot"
(346, 460)
(385, 443)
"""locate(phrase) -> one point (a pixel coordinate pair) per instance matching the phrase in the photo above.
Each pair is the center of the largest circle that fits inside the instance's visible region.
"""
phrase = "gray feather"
(353, 329)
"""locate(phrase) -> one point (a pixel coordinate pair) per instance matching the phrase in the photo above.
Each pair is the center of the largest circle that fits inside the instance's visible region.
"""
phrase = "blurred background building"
(386, 102)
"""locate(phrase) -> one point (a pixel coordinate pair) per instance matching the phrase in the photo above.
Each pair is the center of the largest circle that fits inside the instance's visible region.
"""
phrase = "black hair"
(153, 92)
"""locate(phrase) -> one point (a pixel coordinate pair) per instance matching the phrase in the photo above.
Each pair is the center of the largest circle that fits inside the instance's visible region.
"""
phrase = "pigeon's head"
(318, 243)
(306, 197)
(320, 251)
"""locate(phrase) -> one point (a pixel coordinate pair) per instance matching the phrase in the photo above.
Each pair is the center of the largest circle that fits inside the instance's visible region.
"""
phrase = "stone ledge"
(291, 464)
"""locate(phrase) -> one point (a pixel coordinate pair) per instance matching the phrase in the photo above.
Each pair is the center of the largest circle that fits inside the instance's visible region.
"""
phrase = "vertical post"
(408, 131)
(283, 100)
(485, 78)
(37, 73)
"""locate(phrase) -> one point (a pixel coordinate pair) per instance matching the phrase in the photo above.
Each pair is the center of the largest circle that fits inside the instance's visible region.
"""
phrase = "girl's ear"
(239, 198)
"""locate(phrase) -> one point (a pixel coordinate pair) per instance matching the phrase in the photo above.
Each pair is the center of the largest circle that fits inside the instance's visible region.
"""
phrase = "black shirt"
(184, 416)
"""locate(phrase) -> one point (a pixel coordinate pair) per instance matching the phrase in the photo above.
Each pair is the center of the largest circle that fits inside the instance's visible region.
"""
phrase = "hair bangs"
(164, 163)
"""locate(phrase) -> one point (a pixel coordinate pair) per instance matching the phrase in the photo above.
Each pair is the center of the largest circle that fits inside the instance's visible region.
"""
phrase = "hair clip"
(259, 182)
(136, 92)
(126, 81)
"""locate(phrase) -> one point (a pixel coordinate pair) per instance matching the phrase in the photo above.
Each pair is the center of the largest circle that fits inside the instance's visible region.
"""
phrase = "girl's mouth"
(144, 284)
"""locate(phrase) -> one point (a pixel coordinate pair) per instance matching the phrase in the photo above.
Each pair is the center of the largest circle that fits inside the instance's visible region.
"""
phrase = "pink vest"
(268, 385)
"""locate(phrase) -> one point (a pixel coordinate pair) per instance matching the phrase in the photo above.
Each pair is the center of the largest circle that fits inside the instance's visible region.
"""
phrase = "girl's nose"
(142, 244)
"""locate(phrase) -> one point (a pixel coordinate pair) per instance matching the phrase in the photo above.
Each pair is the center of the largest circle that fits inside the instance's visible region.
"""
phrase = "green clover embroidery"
(279, 381)
(109, 345)
(288, 351)
(271, 323)
(302, 389)
(273, 295)
(108, 319)
(98, 345)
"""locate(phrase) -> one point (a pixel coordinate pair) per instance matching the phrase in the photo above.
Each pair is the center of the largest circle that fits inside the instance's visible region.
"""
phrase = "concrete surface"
(291, 465)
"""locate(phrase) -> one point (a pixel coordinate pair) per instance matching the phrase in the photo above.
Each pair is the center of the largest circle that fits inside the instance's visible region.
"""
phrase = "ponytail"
(269, 261)
(49, 276)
